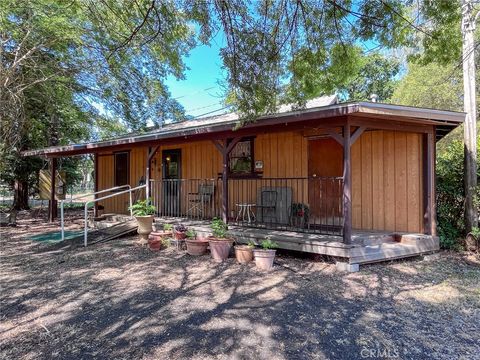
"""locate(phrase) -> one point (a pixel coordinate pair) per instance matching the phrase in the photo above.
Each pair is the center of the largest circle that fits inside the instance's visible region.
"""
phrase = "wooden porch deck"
(366, 247)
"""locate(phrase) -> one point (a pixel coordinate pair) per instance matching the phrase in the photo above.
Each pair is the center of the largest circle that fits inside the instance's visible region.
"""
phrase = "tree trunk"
(20, 195)
(470, 107)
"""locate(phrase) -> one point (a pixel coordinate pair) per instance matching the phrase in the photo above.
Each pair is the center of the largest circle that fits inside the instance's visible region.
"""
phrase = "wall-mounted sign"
(45, 185)
(259, 165)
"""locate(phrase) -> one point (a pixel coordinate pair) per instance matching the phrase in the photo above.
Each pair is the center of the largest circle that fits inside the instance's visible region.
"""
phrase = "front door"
(325, 167)
(171, 168)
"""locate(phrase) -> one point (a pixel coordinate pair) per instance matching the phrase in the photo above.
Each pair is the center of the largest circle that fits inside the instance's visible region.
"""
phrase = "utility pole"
(470, 107)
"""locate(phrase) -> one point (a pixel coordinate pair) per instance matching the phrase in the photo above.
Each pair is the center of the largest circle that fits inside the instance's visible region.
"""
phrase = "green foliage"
(142, 208)
(219, 228)
(268, 244)
(430, 86)
(450, 194)
(191, 234)
(301, 210)
(167, 227)
(251, 244)
(476, 232)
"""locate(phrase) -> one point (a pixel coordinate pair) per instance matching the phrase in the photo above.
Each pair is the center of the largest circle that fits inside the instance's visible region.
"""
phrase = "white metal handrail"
(129, 191)
(107, 197)
(62, 219)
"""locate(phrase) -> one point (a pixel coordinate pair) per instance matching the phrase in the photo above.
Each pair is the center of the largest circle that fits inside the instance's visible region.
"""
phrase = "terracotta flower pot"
(144, 228)
(196, 247)
(180, 235)
(243, 253)
(154, 244)
(220, 248)
(264, 258)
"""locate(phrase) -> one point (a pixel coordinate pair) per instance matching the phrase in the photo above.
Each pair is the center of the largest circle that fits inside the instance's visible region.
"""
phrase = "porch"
(366, 246)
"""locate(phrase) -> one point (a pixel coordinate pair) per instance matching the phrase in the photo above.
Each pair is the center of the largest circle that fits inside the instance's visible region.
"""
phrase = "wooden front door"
(325, 166)
(171, 168)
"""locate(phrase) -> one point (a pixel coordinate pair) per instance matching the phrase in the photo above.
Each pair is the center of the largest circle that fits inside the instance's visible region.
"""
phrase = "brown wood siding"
(386, 181)
(387, 191)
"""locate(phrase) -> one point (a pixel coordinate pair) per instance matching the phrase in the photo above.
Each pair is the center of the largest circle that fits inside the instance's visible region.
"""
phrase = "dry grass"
(115, 300)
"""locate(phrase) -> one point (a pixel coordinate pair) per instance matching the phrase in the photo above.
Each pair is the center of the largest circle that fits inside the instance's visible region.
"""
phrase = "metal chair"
(268, 205)
(198, 201)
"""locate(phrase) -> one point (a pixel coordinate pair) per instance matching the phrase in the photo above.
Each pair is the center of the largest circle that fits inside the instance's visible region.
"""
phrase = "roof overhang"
(445, 121)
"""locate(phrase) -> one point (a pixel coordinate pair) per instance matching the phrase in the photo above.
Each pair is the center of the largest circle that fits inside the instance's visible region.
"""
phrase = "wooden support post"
(347, 186)
(225, 149)
(225, 185)
(429, 217)
(52, 210)
(150, 154)
(95, 183)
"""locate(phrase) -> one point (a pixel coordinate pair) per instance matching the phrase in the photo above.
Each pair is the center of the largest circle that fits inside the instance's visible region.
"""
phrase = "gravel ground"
(118, 301)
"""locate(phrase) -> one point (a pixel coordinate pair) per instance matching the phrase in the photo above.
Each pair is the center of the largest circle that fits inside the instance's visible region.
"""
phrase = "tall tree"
(450, 38)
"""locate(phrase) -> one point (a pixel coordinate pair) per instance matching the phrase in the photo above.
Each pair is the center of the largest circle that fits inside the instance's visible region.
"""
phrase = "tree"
(61, 61)
(450, 39)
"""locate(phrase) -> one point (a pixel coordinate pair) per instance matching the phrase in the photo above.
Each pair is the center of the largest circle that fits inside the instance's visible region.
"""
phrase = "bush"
(450, 195)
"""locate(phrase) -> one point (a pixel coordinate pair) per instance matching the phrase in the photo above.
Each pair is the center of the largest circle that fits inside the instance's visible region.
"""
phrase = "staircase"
(111, 226)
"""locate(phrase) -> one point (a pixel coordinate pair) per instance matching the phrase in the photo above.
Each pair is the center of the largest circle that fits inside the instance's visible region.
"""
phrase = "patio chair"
(198, 202)
(268, 205)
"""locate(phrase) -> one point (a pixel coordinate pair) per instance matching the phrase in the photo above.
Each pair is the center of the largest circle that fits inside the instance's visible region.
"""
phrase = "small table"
(245, 211)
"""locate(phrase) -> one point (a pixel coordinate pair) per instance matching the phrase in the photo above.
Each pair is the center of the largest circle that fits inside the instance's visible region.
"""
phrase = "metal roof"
(319, 108)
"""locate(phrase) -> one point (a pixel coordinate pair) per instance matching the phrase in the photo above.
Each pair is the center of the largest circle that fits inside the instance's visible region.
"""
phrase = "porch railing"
(187, 198)
(310, 204)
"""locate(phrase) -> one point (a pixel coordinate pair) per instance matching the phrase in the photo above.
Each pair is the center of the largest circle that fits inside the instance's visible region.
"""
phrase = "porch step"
(393, 250)
(112, 232)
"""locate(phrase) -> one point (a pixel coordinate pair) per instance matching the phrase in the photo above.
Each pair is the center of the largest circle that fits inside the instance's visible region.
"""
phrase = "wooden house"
(353, 180)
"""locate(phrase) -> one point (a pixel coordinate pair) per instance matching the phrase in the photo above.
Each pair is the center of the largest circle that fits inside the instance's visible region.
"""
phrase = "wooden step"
(388, 251)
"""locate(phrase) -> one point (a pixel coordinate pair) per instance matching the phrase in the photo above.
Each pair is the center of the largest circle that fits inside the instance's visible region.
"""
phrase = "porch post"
(225, 183)
(95, 182)
(347, 187)
(52, 214)
(150, 155)
(430, 221)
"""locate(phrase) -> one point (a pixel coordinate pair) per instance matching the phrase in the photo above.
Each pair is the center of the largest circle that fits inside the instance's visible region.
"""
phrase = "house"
(353, 180)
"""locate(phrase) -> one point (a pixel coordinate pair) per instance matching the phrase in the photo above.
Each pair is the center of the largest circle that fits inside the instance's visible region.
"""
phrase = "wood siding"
(387, 181)
(387, 190)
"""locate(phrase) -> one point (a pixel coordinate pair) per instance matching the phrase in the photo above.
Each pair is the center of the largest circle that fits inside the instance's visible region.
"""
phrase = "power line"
(196, 92)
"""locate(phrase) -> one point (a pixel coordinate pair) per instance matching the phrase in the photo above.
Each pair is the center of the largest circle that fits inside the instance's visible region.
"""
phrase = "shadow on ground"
(117, 301)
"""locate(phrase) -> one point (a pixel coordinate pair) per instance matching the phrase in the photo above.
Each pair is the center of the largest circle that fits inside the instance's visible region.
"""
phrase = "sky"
(200, 92)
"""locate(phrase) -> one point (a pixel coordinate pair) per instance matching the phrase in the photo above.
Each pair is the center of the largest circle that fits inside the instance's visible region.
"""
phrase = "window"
(121, 168)
(241, 158)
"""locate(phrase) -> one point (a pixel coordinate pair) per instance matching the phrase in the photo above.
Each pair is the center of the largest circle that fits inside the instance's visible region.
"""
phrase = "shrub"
(450, 195)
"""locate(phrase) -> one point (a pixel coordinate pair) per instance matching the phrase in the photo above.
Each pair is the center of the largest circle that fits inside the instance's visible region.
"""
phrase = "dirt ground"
(119, 301)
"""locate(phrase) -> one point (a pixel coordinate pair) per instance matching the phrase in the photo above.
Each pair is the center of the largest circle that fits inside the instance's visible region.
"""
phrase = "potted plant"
(143, 212)
(195, 246)
(264, 257)
(244, 253)
(299, 215)
(220, 242)
(180, 232)
(157, 239)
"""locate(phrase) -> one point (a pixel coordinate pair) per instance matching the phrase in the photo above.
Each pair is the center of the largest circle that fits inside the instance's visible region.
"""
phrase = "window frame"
(115, 183)
(252, 173)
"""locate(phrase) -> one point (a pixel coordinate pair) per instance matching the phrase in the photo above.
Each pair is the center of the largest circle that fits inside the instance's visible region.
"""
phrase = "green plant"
(142, 208)
(251, 244)
(167, 227)
(165, 242)
(219, 228)
(268, 244)
(301, 210)
(191, 234)
(476, 232)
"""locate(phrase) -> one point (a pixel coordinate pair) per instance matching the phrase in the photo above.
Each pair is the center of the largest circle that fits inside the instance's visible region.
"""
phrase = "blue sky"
(201, 92)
